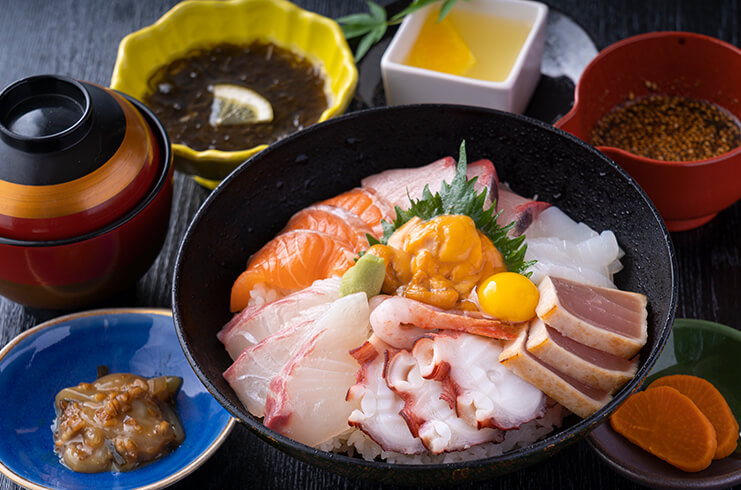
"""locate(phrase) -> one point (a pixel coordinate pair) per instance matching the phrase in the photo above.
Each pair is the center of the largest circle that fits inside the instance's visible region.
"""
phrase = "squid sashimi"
(429, 409)
(378, 412)
(397, 186)
(487, 393)
(292, 261)
(250, 375)
(400, 321)
(306, 399)
(335, 221)
(564, 248)
(255, 323)
(367, 205)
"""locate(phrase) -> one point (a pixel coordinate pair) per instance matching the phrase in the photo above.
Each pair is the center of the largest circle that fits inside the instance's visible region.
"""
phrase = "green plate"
(705, 349)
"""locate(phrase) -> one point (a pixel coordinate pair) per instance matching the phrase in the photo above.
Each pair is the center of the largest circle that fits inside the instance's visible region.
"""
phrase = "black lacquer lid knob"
(44, 113)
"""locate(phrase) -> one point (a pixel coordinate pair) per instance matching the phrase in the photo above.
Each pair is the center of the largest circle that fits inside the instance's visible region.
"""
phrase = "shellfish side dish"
(411, 319)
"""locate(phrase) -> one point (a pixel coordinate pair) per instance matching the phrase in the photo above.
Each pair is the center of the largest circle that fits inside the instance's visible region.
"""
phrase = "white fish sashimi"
(250, 375)
(255, 323)
(306, 399)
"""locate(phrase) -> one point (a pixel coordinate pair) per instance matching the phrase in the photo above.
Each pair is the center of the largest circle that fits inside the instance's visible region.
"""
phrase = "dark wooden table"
(79, 38)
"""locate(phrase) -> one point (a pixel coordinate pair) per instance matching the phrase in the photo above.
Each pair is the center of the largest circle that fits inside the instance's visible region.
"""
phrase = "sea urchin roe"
(438, 261)
(669, 128)
(181, 94)
(116, 423)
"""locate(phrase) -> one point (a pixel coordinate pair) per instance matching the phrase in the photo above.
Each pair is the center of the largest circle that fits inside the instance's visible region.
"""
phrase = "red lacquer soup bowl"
(689, 193)
(76, 229)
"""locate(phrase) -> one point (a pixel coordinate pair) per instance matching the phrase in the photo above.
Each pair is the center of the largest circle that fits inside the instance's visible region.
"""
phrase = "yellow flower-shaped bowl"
(202, 23)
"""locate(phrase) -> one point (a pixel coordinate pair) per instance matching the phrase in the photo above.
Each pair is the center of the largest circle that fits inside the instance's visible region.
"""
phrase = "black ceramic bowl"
(255, 201)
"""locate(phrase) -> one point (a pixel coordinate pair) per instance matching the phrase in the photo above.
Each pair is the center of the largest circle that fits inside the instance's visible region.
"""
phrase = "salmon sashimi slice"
(367, 205)
(336, 221)
(306, 399)
(292, 261)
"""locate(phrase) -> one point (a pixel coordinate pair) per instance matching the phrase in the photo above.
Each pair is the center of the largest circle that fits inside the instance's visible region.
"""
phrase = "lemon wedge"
(234, 105)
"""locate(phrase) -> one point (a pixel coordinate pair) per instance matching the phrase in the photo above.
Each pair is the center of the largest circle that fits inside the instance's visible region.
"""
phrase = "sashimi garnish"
(459, 197)
(401, 185)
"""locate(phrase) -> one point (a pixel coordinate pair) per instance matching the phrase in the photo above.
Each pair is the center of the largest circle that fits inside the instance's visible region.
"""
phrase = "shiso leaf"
(460, 197)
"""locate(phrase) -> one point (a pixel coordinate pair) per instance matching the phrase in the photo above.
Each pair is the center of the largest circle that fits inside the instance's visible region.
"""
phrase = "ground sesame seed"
(669, 128)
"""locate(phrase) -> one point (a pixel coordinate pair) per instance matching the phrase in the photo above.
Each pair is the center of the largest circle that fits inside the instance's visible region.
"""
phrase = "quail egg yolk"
(438, 261)
(508, 296)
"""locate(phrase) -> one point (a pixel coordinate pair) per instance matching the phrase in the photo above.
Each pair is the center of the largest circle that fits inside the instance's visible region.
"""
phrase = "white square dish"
(405, 84)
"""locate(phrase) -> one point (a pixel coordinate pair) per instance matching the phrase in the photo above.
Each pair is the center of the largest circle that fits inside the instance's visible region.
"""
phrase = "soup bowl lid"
(74, 156)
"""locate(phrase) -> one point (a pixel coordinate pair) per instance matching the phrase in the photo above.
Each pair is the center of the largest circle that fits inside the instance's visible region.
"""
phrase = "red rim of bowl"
(632, 40)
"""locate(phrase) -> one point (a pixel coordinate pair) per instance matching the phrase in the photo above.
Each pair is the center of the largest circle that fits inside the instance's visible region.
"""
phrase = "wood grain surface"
(79, 38)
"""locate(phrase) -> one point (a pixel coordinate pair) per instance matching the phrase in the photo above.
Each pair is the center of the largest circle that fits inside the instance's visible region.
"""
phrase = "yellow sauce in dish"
(469, 44)
(116, 423)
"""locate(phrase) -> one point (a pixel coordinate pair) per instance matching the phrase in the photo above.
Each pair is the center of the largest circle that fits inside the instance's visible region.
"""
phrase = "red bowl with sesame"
(687, 193)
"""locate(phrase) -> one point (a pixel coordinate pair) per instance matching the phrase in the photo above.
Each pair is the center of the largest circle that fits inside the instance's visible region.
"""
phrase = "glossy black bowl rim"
(158, 129)
(551, 443)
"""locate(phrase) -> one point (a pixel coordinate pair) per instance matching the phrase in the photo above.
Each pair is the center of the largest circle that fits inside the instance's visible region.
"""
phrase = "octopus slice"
(488, 394)
(429, 409)
(400, 321)
(378, 407)
(397, 186)
(306, 399)
(255, 323)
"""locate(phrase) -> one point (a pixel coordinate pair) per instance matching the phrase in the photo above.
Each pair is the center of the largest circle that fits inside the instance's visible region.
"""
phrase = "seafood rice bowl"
(402, 309)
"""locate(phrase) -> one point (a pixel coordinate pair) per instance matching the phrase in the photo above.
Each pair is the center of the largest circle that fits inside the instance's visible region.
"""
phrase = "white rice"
(355, 441)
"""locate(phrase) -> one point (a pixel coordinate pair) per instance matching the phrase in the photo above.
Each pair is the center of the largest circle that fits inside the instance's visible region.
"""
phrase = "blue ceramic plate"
(66, 351)
(700, 348)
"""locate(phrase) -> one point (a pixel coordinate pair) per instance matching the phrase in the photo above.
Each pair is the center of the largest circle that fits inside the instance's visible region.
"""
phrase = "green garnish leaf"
(460, 197)
(371, 26)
